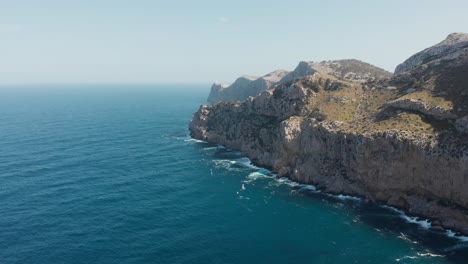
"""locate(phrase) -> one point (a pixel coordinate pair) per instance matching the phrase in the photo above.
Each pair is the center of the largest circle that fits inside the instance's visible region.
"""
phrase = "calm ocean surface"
(108, 174)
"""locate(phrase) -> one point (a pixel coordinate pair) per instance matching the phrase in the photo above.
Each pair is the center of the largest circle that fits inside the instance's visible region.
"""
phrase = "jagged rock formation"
(401, 140)
(245, 86)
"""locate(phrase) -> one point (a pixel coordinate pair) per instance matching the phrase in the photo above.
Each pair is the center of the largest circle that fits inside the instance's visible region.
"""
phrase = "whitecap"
(425, 223)
(195, 140)
(428, 254)
(406, 238)
(308, 187)
(406, 257)
(288, 182)
(345, 197)
(452, 234)
(210, 148)
(223, 163)
(256, 175)
(246, 163)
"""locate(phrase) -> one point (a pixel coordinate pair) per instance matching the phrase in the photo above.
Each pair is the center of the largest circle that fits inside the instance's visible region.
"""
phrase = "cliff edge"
(398, 139)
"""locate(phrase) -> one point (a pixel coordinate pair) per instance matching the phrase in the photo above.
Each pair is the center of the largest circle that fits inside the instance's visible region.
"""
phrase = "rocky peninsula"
(350, 127)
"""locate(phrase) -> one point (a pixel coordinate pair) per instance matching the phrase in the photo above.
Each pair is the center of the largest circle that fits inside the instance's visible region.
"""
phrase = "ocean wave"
(344, 197)
(222, 163)
(452, 234)
(257, 175)
(423, 223)
(421, 255)
(262, 173)
(210, 148)
(195, 140)
(246, 162)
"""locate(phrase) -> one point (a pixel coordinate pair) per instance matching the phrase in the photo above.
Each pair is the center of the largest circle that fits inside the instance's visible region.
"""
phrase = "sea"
(109, 174)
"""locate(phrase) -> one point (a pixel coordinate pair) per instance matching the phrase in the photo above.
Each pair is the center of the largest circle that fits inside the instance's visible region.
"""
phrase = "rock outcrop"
(400, 140)
(245, 86)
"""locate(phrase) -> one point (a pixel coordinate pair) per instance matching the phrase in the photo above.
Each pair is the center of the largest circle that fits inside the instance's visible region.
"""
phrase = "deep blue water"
(108, 174)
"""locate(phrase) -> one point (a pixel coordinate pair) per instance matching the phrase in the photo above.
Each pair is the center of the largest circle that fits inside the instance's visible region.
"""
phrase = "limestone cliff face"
(399, 140)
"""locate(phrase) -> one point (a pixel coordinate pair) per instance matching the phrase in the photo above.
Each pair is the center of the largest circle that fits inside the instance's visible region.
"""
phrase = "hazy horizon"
(155, 42)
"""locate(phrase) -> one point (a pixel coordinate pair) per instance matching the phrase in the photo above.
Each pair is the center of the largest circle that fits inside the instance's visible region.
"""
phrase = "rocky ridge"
(398, 139)
(245, 86)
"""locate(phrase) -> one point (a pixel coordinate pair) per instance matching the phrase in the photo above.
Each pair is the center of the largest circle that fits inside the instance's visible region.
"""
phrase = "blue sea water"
(108, 174)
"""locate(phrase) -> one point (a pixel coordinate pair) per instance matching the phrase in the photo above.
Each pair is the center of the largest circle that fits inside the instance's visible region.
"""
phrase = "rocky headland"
(350, 127)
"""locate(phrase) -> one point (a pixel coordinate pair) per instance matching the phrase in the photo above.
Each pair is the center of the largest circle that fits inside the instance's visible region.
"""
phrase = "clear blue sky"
(203, 41)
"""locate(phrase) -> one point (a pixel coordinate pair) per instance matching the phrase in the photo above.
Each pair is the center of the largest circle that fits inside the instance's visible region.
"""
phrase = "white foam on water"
(243, 187)
(428, 254)
(195, 140)
(345, 197)
(405, 238)
(452, 234)
(426, 224)
(288, 182)
(224, 163)
(210, 148)
(421, 255)
(247, 163)
(309, 187)
(406, 257)
(256, 175)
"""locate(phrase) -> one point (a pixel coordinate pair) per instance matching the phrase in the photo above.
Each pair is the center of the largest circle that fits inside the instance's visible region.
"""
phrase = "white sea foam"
(195, 140)
(224, 163)
(426, 224)
(406, 257)
(452, 234)
(421, 255)
(428, 254)
(423, 223)
(406, 238)
(210, 148)
(256, 175)
(309, 187)
(345, 197)
(246, 163)
(288, 182)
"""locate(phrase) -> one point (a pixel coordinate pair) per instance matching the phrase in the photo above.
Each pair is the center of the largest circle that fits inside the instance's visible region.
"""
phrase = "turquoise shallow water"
(108, 174)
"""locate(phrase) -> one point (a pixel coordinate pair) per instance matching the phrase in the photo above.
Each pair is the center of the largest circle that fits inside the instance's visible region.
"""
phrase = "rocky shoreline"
(398, 140)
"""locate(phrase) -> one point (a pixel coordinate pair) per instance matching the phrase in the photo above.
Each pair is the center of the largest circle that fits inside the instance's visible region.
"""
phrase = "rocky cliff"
(245, 86)
(400, 140)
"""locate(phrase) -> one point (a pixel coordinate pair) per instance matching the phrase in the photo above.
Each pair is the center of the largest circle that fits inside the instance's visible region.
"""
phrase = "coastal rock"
(403, 146)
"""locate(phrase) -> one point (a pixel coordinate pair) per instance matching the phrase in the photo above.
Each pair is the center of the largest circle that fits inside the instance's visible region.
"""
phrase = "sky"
(202, 41)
